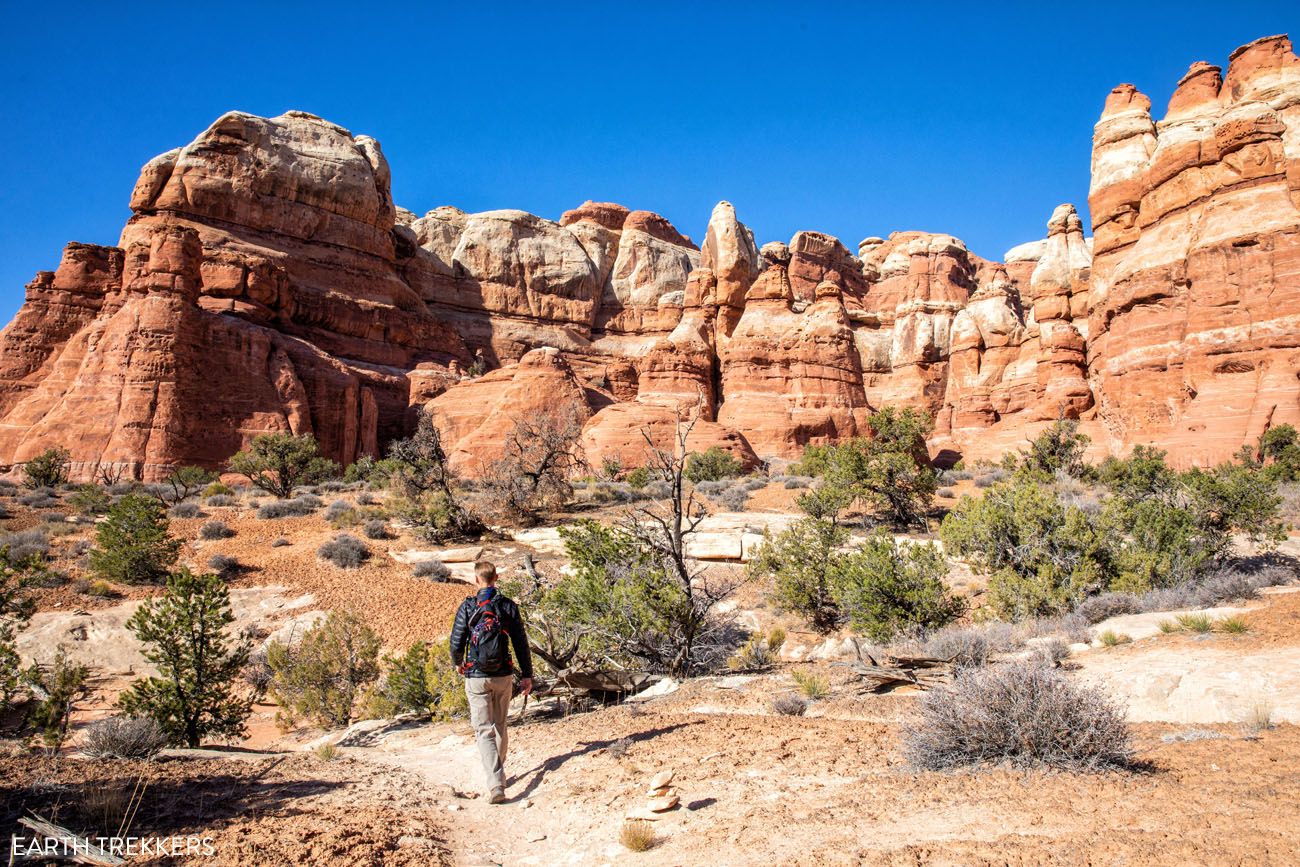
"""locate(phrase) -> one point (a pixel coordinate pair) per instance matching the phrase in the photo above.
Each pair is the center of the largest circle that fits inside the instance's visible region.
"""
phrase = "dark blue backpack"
(489, 643)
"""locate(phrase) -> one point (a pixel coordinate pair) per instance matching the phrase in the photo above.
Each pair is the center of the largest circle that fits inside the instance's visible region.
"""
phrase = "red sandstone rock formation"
(266, 281)
(1194, 331)
(254, 289)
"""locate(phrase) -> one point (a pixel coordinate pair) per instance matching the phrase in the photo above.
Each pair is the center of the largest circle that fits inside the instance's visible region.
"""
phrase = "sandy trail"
(834, 789)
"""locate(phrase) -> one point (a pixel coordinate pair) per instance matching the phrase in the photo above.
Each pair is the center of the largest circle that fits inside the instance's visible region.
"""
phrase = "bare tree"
(552, 639)
(541, 454)
(110, 474)
(418, 470)
(662, 528)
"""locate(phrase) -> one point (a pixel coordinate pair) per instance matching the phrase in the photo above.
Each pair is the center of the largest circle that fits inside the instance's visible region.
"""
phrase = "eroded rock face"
(790, 378)
(478, 415)
(730, 254)
(266, 281)
(1194, 322)
(254, 289)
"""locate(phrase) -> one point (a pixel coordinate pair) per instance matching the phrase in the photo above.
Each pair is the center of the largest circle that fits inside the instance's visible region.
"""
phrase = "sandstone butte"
(267, 282)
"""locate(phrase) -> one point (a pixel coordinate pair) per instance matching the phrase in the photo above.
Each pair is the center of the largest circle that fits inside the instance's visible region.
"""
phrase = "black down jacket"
(510, 619)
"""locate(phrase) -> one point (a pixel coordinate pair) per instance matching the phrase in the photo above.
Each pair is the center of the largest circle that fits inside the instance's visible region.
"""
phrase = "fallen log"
(922, 672)
(606, 681)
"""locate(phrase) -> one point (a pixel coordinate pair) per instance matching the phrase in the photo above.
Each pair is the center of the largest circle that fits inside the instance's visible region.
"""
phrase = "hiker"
(481, 652)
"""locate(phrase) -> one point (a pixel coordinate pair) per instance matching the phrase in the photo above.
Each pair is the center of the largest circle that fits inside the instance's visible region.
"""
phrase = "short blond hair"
(485, 572)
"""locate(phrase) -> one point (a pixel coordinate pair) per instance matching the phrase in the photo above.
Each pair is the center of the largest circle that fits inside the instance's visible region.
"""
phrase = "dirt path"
(757, 788)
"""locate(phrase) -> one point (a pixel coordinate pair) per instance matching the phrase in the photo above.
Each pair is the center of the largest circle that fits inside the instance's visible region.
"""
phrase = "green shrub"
(279, 462)
(17, 576)
(1141, 475)
(49, 469)
(889, 472)
(321, 676)
(627, 602)
(184, 482)
(217, 489)
(133, 545)
(1234, 498)
(1156, 544)
(184, 634)
(445, 684)
(59, 684)
(610, 469)
(405, 687)
(618, 592)
(1111, 638)
(1279, 451)
(1059, 448)
(1167, 529)
(884, 587)
(1042, 556)
(801, 563)
(712, 465)
(90, 500)
(638, 478)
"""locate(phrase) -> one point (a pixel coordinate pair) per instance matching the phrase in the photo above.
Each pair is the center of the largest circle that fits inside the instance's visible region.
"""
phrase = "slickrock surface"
(266, 281)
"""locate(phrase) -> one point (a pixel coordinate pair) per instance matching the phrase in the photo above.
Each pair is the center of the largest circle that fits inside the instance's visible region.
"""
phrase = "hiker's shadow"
(554, 763)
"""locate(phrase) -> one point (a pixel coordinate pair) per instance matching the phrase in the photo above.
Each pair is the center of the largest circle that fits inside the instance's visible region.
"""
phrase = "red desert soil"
(271, 810)
(819, 791)
(830, 788)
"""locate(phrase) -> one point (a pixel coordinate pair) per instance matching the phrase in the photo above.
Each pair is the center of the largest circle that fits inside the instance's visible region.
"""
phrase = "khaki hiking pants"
(489, 704)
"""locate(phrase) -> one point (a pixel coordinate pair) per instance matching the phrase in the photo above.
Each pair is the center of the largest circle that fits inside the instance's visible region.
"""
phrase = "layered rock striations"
(266, 281)
(1194, 323)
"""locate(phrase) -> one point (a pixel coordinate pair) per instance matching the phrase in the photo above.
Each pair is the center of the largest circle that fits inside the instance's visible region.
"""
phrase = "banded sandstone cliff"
(266, 281)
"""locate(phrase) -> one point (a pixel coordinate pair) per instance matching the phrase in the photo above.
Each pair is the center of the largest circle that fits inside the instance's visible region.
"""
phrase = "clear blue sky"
(969, 118)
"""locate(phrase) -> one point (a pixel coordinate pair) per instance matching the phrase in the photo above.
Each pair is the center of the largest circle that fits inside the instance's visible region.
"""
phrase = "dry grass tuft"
(638, 835)
(1258, 718)
(1234, 625)
(1199, 623)
(789, 704)
(123, 737)
(813, 686)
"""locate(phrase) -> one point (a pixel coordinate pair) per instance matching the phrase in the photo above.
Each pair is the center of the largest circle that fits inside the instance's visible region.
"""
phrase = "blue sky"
(973, 119)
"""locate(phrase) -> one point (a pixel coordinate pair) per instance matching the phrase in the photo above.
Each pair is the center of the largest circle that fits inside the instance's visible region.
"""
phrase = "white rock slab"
(468, 554)
(544, 539)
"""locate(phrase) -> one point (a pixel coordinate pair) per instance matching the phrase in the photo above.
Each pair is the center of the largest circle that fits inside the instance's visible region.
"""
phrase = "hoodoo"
(267, 282)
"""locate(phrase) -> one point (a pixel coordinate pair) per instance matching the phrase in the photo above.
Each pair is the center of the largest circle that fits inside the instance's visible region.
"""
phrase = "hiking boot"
(498, 796)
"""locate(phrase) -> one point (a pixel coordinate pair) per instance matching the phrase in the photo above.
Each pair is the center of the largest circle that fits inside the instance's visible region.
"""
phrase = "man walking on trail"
(486, 625)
